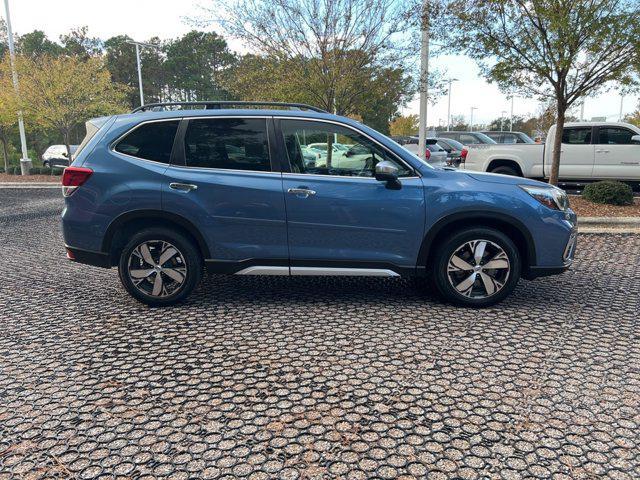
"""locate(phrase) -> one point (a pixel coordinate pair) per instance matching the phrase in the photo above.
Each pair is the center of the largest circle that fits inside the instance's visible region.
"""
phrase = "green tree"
(61, 93)
(78, 43)
(553, 49)
(36, 43)
(634, 118)
(195, 65)
(402, 126)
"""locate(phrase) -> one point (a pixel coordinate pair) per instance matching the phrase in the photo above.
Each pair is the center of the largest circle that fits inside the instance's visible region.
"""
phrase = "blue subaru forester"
(288, 189)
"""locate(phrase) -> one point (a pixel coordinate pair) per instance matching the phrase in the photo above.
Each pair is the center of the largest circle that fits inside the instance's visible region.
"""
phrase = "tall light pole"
(621, 104)
(25, 162)
(502, 114)
(138, 46)
(511, 116)
(582, 111)
(424, 79)
(449, 104)
(471, 119)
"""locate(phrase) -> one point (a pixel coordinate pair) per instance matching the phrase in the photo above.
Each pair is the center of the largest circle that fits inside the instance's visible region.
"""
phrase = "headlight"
(552, 197)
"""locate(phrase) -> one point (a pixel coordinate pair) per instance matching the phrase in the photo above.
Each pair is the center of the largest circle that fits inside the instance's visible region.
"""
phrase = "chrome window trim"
(346, 177)
(385, 149)
(114, 143)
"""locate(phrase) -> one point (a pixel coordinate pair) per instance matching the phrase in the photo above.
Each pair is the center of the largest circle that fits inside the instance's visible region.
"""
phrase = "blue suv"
(170, 189)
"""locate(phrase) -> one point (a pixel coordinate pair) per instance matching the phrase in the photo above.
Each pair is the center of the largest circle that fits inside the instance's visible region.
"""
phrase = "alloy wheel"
(478, 269)
(157, 268)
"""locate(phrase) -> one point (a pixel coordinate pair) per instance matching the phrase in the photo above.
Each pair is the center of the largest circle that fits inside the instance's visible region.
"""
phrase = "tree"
(8, 107)
(634, 118)
(195, 65)
(78, 43)
(60, 93)
(36, 43)
(327, 43)
(403, 126)
(552, 49)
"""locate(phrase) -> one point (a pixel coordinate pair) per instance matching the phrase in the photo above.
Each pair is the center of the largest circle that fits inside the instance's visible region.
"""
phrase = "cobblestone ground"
(312, 378)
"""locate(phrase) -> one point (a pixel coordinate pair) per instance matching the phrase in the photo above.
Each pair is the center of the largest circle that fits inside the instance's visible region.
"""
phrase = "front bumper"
(567, 259)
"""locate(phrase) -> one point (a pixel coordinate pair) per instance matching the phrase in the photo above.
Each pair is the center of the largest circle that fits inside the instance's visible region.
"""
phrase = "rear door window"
(228, 143)
(150, 141)
(577, 136)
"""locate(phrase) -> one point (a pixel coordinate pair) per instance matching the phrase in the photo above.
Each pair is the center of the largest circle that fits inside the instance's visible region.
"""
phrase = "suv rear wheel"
(477, 267)
(159, 266)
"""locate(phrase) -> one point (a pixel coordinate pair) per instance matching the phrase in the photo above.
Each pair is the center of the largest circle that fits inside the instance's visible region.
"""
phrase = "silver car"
(434, 154)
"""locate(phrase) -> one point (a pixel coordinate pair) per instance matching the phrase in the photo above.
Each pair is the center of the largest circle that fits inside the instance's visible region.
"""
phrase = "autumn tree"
(403, 126)
(326, 44)
(551, 49)
(8, 107)
(60, 93)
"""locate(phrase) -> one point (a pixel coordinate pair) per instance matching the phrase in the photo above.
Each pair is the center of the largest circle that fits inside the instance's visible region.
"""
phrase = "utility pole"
(449, 105)
(25, 162)
(511, 116)
(582, 111)
(471, 119)
(138, 46)
(502, 113)
(424, 79)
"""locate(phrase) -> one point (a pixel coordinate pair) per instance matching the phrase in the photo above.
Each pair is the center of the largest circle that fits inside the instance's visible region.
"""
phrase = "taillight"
(427, 154)
(73, 177)
(463, 154)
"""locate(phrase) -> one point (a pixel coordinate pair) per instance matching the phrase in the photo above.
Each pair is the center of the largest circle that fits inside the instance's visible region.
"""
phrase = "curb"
(29, 185)
(609, 224)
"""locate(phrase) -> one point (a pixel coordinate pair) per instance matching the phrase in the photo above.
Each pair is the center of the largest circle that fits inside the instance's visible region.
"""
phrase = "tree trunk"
(66, 134)
(557, 143)
(5, 151)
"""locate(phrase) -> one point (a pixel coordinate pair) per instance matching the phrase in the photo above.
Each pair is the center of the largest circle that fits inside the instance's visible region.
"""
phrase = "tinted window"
(615, 136)
(358, 160)
(230, 143)
(435, 148)
(467, 139)
(151, 141)
(509, 138)
(577, 136)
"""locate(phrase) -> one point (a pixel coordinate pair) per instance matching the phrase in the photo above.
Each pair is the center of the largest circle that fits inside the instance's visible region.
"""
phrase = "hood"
(504, 179)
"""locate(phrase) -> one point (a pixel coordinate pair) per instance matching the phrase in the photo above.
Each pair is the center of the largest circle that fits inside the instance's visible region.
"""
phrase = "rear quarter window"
(150, 141)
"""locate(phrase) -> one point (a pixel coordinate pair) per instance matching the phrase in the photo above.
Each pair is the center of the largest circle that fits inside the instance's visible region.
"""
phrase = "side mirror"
(635, 139)
(386, 171)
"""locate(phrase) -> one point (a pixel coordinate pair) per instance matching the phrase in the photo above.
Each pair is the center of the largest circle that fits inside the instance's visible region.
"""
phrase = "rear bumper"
(88, 257)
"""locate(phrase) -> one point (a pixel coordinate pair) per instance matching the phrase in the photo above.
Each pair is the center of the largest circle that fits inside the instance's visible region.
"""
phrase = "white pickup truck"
(590, 151)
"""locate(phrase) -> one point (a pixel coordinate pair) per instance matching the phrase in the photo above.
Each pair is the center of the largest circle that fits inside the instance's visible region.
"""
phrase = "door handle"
(182, 187)
(303, 192)
(602, 151)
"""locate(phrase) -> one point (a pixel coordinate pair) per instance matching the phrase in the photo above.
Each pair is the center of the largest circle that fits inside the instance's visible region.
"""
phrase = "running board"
(318, 271)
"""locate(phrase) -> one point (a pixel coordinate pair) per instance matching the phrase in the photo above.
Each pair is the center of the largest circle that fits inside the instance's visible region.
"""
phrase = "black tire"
(506, 170)
(496, 240)
(46, 164)
(188, 259)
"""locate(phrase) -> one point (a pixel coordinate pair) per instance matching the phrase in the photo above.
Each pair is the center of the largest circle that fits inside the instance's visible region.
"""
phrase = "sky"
(142, 19)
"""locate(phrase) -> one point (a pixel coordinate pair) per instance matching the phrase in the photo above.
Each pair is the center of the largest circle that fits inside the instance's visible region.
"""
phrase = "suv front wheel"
(477, 267)
(159, 266)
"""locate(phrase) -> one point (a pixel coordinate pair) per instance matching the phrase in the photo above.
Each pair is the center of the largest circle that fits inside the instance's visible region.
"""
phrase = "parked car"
(162, 194)
(56, 156)
(454, 150)
(434, 153)
(467, 138)
(508, 137)
(590, 151)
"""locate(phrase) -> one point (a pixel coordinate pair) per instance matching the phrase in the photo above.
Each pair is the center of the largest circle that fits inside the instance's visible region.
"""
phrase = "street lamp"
(511, 116)
(138, 45)
(449, 106)
(25, 162)
(471, 119)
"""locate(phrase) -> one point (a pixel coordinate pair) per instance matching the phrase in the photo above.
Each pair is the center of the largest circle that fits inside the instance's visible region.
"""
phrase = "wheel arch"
(504, 162)
(514, 228)
(115, 236)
